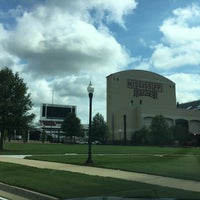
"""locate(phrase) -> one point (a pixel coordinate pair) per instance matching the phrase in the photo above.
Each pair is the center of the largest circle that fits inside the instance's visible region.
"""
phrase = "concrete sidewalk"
(131, 176)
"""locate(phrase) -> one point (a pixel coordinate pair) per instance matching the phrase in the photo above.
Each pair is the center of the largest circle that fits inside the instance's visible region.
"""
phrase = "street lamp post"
(90, 90)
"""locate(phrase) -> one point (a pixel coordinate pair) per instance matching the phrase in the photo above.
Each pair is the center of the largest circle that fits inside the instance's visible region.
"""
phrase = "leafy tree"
(71, 126)
(15, 103)
(181, 134)
(142, 137)
(160, 131)
(43, 136)
(100, 129)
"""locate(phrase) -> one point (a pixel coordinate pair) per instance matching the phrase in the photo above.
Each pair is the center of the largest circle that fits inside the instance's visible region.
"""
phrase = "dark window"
(73, 109)
(43, 110)
(57, 112)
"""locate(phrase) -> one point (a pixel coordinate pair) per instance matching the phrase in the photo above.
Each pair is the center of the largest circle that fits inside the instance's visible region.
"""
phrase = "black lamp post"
(90, 90)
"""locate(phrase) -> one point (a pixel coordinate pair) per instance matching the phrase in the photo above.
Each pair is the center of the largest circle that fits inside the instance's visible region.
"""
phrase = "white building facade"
(134, 97)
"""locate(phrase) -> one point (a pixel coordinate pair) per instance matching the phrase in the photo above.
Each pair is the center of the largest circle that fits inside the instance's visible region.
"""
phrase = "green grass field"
(175, 162)
(46, 148)
(179, 166)
(73, 185)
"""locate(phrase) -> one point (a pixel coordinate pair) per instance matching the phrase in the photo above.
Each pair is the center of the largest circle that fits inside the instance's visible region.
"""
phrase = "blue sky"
(61, 45)
(144, 23)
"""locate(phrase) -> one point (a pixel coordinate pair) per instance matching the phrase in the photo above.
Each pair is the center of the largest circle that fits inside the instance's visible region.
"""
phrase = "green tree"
(181, 134)
(71, 126)
(142, 137)
(160, 131)
(100, 129)
(43, 136)
(15, 104)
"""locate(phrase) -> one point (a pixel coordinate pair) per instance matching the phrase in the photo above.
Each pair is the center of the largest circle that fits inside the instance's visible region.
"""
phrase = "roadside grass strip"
(64, 184)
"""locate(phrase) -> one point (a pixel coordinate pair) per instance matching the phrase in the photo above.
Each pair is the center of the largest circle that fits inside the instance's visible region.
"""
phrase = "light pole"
(90, 90)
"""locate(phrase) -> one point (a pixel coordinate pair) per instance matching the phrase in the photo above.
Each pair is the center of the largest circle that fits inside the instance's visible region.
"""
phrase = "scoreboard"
(51, 111)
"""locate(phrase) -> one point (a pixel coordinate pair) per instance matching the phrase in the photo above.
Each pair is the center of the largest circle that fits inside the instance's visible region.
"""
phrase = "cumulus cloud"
(113, 11)
(178, 52)
(61, 45)
(187, 86)
(52, 41)
(6, 59)
(181, 40)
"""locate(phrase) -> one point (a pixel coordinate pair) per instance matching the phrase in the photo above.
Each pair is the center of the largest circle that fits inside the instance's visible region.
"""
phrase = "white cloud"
(143, 42)
(99, 10)
(114, 11)
(144, 64)
(6, 59)
(181, 40)
(51, 41)
(179, 51)
(62, 45)
(187, 86)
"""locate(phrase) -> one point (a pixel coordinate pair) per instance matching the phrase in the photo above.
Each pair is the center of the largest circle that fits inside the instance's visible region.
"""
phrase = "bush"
(181, 134)
(141, 137)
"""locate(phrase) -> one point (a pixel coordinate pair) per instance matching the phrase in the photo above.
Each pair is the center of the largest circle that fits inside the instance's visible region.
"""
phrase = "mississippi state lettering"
(144, 88)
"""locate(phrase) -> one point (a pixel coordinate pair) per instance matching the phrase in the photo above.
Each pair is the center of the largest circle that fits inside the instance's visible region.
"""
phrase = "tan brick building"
(134, 97)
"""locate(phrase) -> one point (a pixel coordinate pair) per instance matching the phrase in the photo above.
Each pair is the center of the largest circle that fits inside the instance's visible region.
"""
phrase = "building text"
(144, 88)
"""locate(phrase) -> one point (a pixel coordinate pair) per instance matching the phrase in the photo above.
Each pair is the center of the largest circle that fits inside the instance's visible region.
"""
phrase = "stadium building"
(52, 116)
(134, 97)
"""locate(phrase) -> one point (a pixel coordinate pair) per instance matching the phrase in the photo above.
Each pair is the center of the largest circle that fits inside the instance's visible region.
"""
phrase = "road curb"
(25, 193)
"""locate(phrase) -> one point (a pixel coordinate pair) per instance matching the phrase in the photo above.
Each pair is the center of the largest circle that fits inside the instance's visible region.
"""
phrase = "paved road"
(144, 178)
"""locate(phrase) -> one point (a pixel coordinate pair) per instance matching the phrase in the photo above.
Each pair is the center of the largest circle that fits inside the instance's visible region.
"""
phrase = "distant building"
(193, 105)
(52, 116)
(134, 97)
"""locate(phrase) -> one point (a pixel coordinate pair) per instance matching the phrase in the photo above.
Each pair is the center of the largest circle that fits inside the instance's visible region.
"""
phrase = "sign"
(144, 88)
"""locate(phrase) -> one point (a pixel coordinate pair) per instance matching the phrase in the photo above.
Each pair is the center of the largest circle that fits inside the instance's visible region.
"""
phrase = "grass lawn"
(179, 166)
(166, 161)
(73, 185)
(46, 148)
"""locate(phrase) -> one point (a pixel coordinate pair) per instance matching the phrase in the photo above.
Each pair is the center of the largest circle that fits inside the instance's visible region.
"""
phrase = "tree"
(43, 136)
(142, 137)
(15, 103)
(71, 126)
(160, 131)
(181, 134)
(100, 129)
